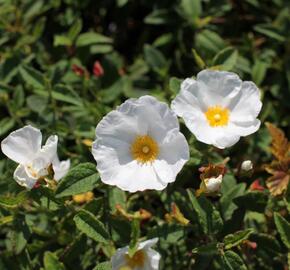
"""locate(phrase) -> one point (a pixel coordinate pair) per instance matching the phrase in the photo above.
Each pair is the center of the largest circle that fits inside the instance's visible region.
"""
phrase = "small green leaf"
(269, 31)
(253, 201)
(116, 196)
(232, 261)
(32, 77)
(174, 84)
(75, 29)
(207, 250)
(91, 226)
(191, 9)
(283, 227)
(90, 38)
(232, 240)
(12, 202)
(259, 71)
(135, 234)
(226, 58)
(155, 59)
(208, 217)
(6, 219)
(60, 40)
(103, 266)
(6, 124)
(51, 262)
(79, 179)
(199, 61)
(158, 16)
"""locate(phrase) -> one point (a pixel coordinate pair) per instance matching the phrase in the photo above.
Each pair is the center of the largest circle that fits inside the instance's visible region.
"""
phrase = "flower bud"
(247, 165)
(213, 184)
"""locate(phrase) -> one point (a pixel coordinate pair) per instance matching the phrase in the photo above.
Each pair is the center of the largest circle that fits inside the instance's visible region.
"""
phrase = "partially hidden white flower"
(218, 108)
(24, 147)
(139, 146)
(145, 257)
(247, 165)
(213, 184)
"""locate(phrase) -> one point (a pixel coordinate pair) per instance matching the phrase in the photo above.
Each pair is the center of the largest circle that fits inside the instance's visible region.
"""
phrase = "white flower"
(138, 146)
(24, 147)
(213, 184)
(247, 165)
(218, 107)
(145, 257)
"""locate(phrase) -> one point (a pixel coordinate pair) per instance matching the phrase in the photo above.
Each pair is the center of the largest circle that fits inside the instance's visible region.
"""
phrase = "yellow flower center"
(144, 149)
(217, 116)
(138, 260)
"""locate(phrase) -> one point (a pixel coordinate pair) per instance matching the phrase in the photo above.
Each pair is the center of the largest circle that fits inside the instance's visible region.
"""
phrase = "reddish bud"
(256, 186)
(36, 185)
(78, 70)
(98, 69)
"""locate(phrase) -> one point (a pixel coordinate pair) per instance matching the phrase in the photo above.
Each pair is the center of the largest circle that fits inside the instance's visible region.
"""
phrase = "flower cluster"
(139, 145)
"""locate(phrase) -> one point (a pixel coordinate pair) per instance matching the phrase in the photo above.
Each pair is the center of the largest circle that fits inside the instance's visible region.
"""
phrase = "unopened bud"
(213, 184)
(247, 165)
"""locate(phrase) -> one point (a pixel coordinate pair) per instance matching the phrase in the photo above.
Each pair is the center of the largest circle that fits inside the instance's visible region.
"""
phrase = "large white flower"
(139, 146)
(218, 107)
(145, 257)
(24, 147)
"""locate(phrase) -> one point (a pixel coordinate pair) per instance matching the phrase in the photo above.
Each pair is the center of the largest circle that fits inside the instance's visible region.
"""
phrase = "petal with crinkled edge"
(22, 145)
(23, 178)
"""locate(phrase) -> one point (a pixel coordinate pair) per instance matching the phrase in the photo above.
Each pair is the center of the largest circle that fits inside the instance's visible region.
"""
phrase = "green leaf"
(75, 29)
(232, 240)
(60, 40)
(12, 202)
(6, 219)
(226, 201)
(199, 61)
(79, 179)
(191, 9)
(6, 124)
(158, 16)
(269, 31)
(103, 266)
(259, 71)
(122, 3)
(208, 217)
(116, 196)
(226, 58)
(51, 262)
(135, 234)
(207, 250)
(155, 59)
(32, 77)
(170, 233)
(283, 227)
(90, 38)
(232, 261)
(253, 201)
(37, 103)
(174, 84)
(88, 224)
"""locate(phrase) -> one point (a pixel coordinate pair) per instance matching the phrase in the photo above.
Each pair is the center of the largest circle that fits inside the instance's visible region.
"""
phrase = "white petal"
(60, 168)
(148, 243)
(219, 87)
(118, 259)
(49, 150)
(189, 101)
(245, 129)
(22, 178)
(246, 104)
(134, 177)
(174, 153)
(153, 260)
(22, 145)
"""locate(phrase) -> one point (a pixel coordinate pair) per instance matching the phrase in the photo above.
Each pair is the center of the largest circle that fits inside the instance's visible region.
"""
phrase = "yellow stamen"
(217, 116)
(138, 260)
(144, 149)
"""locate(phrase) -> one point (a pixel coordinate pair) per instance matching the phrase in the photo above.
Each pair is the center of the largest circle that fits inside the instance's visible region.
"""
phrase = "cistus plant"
(170, 135)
